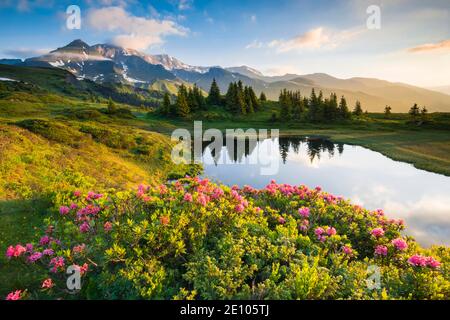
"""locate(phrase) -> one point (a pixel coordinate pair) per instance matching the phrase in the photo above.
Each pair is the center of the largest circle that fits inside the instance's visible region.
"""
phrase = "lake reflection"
(365, 177)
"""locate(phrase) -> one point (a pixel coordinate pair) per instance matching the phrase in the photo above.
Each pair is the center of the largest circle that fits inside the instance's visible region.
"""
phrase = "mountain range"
(107, 63)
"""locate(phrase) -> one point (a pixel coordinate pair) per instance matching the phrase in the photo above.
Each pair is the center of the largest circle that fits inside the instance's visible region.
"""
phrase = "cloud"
(253, 18)
(23, 53)
(131, 31)
(443, 45)
(255, 44)
(318, 38)
(26, 5)
(185, 4)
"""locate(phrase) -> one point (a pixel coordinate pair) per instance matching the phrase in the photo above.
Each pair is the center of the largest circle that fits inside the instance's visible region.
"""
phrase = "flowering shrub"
(192, 239)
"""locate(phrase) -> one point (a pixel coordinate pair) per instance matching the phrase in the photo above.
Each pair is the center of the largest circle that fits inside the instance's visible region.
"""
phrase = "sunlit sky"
(275, 37)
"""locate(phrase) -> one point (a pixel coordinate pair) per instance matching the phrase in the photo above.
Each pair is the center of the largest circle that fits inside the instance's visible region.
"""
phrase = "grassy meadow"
(55, 138)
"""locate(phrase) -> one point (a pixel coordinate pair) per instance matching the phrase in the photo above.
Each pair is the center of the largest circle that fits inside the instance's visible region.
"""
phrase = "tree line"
(316, 108)
(238, 100)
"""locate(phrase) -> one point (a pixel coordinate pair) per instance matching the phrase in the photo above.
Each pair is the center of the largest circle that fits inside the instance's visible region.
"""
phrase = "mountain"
(441, 89)
(105, 63)
(11, 62)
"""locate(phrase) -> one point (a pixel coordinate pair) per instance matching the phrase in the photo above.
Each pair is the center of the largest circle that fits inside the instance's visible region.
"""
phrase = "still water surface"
(365, 177)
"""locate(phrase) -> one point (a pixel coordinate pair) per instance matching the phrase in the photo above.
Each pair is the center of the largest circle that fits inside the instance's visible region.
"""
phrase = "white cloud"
(132, 32)
(443, 45)
(255, 44)
(26, 5)
(185, 4)
(318, 38)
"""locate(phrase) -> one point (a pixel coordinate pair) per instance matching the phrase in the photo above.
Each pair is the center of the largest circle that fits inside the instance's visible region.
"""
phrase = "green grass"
(53, 141)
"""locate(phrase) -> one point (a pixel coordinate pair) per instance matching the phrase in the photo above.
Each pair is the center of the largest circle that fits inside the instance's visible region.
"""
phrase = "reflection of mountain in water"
(316, 147)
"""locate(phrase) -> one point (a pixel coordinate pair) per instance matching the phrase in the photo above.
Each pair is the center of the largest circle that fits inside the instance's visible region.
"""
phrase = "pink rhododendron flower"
(79, 249)
(331, 231)
(83, 269)
(381, 250)
(239, 208)
(107, 226)
(29, 247)
(48, 252)
(73, 206)
(10, 252)
(202, 199)
(85, 227)
(64, 210)
(319, 231)
(400, 244)
(44, 240)
(13, 296)
(281, 220)
(432, 263)
(347, 250)
(77, 193)
(57, 263)
(47, 284)
(377, 232)
(16, 251)
(417, 260)
(187, 197)
(304, 212)
(34, 257)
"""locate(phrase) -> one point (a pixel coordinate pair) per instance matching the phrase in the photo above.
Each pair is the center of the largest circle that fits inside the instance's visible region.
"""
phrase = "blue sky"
(276, 37)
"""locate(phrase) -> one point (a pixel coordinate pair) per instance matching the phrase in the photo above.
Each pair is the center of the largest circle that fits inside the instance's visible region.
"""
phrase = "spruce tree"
(182, 106)
(387, 111)
(214, 97)
(166, 104)
(262, 97)
(414, 111)
(344, 113)
(358, 111)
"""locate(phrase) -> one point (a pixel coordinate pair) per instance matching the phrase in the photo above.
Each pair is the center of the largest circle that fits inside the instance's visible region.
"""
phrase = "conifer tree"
(182, 106)
(344, 113)
(214, 97)
(166, 104)
(262, 97)
(358, 111)
(387, 111)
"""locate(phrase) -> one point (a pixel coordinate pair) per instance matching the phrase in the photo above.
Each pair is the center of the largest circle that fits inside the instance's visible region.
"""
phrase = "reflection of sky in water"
(368, 178)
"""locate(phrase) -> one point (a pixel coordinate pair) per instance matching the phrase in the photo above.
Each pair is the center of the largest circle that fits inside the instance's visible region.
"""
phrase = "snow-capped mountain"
(108, 63)
(103, 62)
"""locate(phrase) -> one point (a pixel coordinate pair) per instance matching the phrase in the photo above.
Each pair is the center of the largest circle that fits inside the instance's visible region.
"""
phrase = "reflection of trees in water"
(316, 147)
(237, 148)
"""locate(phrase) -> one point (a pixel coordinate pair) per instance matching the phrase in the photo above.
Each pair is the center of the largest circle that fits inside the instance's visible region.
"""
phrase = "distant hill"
(103, 63)
(442, 89)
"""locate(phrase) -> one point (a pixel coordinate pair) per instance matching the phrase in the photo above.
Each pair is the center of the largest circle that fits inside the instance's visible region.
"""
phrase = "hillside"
(105, 63)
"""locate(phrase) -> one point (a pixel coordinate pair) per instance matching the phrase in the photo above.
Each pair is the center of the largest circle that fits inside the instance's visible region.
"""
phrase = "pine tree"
(387, 111)
(182, 106)
(262, 97)
(192, 101)
(200, 99)
(313, 111)
(344, 113)
(214, 97)
(358, 111)
(424, 113)
(166, 104)
(414, 111)
(285, 105)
